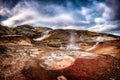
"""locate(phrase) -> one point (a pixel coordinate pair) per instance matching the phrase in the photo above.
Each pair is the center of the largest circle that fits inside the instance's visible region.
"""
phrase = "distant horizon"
(112, 33)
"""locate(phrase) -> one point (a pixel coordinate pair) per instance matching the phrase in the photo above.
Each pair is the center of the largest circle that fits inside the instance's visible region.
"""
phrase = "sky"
(93, 15)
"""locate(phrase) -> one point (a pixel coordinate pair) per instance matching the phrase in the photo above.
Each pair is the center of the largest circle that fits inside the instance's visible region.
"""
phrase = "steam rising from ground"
(97, 16)
(44, 36)
(72, 44)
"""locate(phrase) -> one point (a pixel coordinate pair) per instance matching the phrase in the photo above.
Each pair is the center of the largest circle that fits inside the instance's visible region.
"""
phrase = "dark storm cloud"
(115, 5)
(8, 3)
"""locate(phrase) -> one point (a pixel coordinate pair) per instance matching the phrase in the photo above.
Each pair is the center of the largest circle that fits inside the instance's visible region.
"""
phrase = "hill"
(41, 53)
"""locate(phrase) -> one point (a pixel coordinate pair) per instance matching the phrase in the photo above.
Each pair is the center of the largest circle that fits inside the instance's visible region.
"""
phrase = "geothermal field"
(39, 53)
(59, 39)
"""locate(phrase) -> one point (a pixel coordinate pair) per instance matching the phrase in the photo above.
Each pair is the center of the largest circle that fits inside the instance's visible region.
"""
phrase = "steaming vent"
(72, 44)
(71, 47)
(44, 36)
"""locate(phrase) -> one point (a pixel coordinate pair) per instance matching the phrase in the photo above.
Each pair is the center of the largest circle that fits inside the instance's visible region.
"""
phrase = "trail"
(98, 40)
(94, 46)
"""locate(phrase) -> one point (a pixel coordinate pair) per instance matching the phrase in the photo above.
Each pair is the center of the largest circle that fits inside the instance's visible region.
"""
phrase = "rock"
(11, 63)
(61, 37)
(15, 39)
(30, 31)
(4, 30)
(61, 78)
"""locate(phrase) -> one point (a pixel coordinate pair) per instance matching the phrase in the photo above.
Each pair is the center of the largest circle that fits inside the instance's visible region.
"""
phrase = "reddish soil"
(100, 68)
(108, 48)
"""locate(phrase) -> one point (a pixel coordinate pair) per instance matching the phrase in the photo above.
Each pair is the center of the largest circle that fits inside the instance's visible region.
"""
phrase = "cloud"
(104, 22)
(28, 15)
(94, 16)
(105, 15)
(115, 6)
(4, 11)
(50, 15)
(107, 26)
(114, 32)
(103, 27)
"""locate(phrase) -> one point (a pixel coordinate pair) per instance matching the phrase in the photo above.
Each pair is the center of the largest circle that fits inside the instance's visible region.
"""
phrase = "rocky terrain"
(41, 53)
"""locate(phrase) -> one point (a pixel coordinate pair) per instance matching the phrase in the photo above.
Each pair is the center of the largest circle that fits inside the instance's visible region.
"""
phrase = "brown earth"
(108, 48)
(22, 58)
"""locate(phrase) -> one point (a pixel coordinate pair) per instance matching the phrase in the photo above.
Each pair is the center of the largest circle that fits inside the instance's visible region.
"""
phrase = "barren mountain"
(39, 53)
